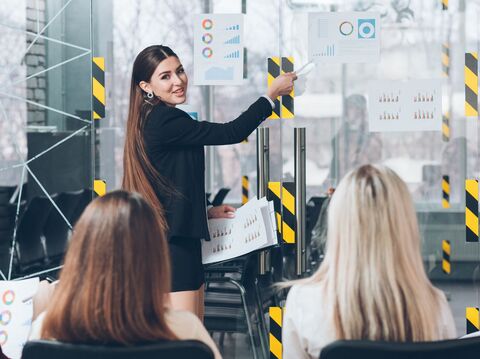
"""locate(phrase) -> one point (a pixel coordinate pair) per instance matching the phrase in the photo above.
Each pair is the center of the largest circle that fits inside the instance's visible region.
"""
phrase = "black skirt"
(186, 263)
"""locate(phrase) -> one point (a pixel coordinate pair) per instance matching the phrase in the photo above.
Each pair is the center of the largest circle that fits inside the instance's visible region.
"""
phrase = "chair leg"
(221, 340)
(263, 333)
(247, 315)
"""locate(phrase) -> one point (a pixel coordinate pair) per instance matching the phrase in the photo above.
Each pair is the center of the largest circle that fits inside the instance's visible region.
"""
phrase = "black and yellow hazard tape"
(288, 100)
(98, 87)
(446, 59)
(274, 194)
(273, 68)
(245, 188)
(472, 316)
(471, 84)
(444, 4)
(275, 335)
(99, 187)
(446, 191)
(284, 106)
(471, 210)
(288, 212)
(446, 127)
(446, 250)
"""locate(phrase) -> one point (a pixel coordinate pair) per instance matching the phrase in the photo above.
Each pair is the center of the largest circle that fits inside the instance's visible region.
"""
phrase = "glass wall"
(45, 127)
(332, 104)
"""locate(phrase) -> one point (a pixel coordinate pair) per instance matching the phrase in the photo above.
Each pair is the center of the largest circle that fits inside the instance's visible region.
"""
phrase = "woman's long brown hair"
(114, 285)
(139, 175)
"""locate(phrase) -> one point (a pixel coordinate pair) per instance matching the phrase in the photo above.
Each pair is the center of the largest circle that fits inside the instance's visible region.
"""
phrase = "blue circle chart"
(366, 29)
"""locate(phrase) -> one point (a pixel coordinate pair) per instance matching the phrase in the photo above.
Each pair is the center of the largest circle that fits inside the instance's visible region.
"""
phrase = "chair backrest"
(220, 196)
(6, 193)
(30, 230)
(85, 199)
(56, 229)
(445, 349)
(176, 349)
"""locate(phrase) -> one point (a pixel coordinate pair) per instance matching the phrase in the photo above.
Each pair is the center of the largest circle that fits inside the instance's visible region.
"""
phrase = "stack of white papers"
(16, 311)
(253, 228)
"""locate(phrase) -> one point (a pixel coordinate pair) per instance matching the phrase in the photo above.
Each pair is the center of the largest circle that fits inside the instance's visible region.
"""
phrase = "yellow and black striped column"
(275, 337)
(446, 127)
(274, 194)
(273, 68)
(471, 210)
(444, 4)
(472, 316)
(98, 87)
(446, 191)
(245, 187)
(288, 100)
(446, 59)
(288, 212)
(446, 250)
(471, 84)
(99, 187)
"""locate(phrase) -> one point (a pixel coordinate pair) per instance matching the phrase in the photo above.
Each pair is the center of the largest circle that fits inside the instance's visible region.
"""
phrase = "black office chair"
(445, 349)
(56, 230)
(176, 349)
(85, 199)
(233, 303)
(6, 193)
(220, 196)
(30, 242)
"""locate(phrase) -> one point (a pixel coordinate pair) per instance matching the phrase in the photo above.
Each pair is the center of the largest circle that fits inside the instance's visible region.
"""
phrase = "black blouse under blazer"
(174, 145)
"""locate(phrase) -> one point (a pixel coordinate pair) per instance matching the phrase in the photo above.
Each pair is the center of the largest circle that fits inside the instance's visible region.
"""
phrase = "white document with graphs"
(253, 228)
(16, 312)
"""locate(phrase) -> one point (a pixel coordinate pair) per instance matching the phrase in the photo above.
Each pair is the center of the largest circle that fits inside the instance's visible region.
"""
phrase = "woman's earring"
(150, 95)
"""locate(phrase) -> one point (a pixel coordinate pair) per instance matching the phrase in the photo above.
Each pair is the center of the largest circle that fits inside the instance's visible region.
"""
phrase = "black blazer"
(174, 145)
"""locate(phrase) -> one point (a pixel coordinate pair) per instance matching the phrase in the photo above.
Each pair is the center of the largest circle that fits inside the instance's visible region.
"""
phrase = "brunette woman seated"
(114, 287)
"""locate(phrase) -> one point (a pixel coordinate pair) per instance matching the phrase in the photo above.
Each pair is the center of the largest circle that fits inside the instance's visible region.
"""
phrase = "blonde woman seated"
(372, 284)
(114, 286)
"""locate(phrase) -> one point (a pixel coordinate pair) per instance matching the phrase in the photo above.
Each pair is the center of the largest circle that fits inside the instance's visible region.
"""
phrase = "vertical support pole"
(209, 103)
(300, 201)
(209, 150)
(263, 175)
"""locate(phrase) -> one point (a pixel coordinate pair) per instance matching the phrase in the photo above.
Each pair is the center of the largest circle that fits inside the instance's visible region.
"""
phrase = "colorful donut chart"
(346, 28)
(8, 297)
(207, 38)
(5, 317)
(207, 52)
(207, 24)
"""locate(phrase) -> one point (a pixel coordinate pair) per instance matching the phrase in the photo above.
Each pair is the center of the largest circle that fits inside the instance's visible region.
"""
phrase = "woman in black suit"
(164, 160)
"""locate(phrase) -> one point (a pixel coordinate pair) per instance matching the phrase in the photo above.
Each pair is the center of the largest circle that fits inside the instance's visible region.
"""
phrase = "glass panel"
(334, 110)
(45, 128)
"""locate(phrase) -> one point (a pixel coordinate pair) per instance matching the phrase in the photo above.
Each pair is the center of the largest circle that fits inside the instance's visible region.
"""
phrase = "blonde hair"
(373, 271)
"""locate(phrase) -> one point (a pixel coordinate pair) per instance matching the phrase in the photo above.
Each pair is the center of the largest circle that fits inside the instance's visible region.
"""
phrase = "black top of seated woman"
(174, 145)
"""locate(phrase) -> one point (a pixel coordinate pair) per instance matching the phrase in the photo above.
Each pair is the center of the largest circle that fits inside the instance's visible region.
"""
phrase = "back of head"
(116, 276)
(373, 269)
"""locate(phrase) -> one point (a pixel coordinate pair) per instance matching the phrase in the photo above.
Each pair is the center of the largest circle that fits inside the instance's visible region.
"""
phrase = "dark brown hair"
(115, 282)
(139, 175)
